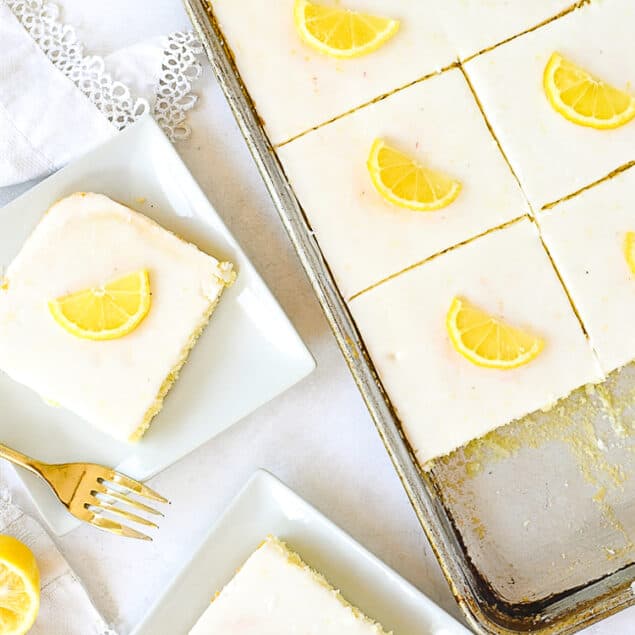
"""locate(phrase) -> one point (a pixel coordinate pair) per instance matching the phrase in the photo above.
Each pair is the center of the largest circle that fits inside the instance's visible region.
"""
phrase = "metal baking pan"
(531, 524)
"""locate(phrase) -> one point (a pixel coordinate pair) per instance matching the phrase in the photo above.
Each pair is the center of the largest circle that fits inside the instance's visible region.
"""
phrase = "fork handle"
(20, 459)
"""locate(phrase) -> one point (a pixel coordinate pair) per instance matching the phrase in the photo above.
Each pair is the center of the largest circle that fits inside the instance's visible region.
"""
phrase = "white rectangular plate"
(267, 506)
(249, 353)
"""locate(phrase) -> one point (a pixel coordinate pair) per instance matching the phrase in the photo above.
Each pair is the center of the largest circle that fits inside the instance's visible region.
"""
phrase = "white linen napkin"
(65, 608)
(44, 118)
(57, 102)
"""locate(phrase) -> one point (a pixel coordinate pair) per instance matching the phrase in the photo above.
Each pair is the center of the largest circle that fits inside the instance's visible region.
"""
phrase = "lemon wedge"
(487, 341)
(340, 32)
(404, 182)
(106, 312)
(584, 99)
(19, 587)
(629, 250)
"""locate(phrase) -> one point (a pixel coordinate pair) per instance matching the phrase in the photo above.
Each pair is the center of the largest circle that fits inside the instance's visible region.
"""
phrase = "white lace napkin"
(56, 102)
(65, 608)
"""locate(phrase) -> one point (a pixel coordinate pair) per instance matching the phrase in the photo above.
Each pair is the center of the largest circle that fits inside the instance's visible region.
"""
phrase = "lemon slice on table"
(340, 32)
(105, 312)
(584, 99)
(404, 182)
(629, 250)
(488, 341)
(19, 587)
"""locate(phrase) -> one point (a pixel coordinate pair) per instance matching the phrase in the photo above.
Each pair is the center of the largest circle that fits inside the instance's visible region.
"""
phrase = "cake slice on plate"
(274, 593)
(100, 309)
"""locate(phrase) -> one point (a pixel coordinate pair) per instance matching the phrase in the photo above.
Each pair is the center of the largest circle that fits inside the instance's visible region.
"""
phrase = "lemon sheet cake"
(366, 237)
(553, 156)
(592, 240)
(475, 25)
(296, 87)
(275, 593)
(429, 202)
(100, 309)
(442, 397)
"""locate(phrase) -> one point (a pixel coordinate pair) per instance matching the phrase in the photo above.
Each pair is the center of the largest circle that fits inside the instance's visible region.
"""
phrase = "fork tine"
(135, 486)
(111, 509)
(128, 501)
(117, 528)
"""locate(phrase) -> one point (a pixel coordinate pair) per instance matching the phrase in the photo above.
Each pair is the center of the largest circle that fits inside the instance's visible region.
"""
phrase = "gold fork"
(88, 490)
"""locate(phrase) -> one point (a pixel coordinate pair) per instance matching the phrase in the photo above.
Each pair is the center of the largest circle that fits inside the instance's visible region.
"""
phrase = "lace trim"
(60, 44)
(180, 68)
(113, 98)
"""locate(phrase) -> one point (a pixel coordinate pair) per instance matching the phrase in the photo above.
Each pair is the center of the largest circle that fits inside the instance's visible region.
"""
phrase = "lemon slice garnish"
(584, 99)
(629, 250)
(340, 32)
(19, 587)
(404, 182)
(106, 312)
(488, 341)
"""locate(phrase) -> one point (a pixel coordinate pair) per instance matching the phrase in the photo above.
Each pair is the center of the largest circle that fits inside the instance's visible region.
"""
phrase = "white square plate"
(267, 506)
(249, 353)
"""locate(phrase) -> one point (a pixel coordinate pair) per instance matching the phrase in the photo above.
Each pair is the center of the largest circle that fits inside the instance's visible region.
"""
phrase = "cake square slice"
(296, 87)
(275, 593)
(366, 238)
(474, 25)
(442, 398)
(82, 243)
(551, 155)
(587, 237)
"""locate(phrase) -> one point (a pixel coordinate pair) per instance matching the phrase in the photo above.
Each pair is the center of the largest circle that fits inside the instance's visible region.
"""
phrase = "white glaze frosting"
(442, 399)
(363, 237)
(83, 241)
(275, 594)
(586, 238)
(474, 25)
(296, 87)
(552, 156)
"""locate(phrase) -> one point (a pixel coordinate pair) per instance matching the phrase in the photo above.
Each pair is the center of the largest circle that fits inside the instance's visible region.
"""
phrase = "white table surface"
(318, 437)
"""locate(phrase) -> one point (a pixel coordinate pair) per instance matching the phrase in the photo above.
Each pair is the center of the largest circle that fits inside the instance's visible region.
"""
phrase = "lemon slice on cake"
(629, 250)
(105, 312)
(19, 587)
(340, 32)
(584, 99)
(403, 181)
(486, 340)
